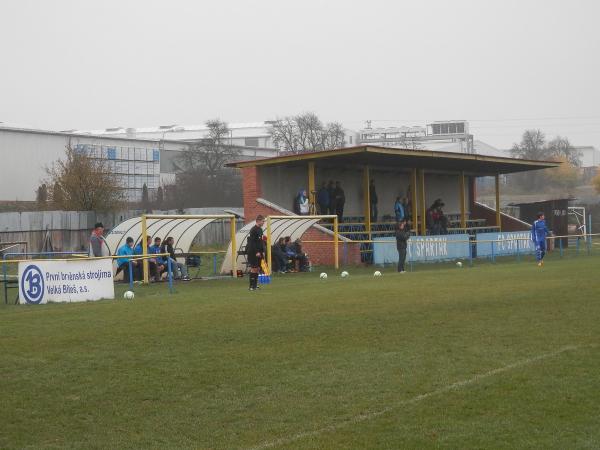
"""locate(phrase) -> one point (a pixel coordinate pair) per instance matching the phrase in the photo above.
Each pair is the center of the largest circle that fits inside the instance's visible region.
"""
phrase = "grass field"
(500, 355)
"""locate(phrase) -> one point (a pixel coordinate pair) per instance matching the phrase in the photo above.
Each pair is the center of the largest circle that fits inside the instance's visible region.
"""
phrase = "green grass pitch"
(502, 355)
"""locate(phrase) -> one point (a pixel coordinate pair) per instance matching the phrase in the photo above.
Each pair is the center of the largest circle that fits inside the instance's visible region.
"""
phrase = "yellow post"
(233, 248)
(335, 242)
(367, 205)
(311, 188)
(269, 256)
(498, 217)
(463, 206)
(144, 245)
(422, 202)
(414, 209)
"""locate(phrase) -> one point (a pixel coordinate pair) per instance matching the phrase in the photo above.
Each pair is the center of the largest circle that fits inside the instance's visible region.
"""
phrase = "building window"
(251, 142)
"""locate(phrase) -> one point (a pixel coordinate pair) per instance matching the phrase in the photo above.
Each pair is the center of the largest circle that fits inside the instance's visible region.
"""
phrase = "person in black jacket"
(402, 236)
(255, 251)
(280, 259)
(373, 201)
(176, 266)
(339, 200)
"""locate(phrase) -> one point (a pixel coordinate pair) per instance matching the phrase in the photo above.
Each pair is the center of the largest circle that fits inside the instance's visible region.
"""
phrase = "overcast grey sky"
(502, 65)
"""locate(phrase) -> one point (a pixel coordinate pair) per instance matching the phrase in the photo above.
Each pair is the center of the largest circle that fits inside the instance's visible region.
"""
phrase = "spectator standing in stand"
(373, 201)
(323, 199)
(340, 200)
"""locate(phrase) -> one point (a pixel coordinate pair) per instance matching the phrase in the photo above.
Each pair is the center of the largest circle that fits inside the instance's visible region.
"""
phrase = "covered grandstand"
(270, 185)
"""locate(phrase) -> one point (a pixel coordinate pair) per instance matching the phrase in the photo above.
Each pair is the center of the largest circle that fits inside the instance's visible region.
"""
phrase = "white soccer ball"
(458, 264)
(344, 274)
(377, 273)
(323, 276)
(128, 295)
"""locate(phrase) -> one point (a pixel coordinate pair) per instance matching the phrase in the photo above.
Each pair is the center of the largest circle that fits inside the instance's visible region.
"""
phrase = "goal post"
(314, 218)
(210, 217)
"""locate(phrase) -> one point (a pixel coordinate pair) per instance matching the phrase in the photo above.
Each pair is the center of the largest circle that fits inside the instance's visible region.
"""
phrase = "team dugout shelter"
(270, 186)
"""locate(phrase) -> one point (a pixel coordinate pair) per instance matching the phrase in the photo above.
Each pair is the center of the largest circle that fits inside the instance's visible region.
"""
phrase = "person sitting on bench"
(167, 247)
(123, 263)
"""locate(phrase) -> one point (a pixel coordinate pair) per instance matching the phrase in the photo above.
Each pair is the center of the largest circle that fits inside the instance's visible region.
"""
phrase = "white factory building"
(27, 152)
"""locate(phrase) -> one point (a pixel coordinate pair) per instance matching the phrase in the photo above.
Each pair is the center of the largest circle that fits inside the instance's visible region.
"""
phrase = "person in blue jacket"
(399, 210)
(152, 262)
(126, 250)
(539, 232)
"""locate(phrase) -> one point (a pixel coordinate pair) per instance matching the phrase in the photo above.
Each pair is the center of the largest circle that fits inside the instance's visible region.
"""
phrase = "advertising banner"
(509, 243)
(65, 281)
(422, 248)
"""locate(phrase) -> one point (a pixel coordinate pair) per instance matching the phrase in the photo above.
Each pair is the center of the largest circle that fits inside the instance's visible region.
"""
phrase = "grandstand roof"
(406, 158)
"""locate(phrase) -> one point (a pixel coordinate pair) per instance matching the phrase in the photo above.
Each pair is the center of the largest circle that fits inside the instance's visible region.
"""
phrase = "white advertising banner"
(65, 281)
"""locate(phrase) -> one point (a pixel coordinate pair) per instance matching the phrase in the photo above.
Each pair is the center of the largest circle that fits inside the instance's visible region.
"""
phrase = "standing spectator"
(178, 267)
(402, 236)
(255, 251)
(340, 200)
(323, 199)
(331, 192)
(126, 250)
(152, 265)
(399, 210)
(373, 201)
(301, 205)
(407, 208)
(98, 245)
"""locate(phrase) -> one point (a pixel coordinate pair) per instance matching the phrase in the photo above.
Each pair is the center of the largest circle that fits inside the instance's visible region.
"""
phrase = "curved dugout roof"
(293, 227)
(182, 230)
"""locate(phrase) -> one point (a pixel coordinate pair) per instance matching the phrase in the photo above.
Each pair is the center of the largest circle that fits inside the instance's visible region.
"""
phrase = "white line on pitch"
(368, 416)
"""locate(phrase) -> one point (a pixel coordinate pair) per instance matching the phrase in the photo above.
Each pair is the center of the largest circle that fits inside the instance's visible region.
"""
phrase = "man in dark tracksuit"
(402, 236)
(255, 250)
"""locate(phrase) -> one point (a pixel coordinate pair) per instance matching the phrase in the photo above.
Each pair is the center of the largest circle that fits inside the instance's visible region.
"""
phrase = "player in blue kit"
(539, 231)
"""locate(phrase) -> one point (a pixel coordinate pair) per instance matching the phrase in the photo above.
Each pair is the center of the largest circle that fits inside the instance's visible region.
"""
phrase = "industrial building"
(136, 159)
(448, 136)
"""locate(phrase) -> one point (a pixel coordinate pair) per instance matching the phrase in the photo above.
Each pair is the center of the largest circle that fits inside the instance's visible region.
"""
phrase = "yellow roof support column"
(144, 245)
(498, 216)
(423, 207)
(311, 188)
(232, 231)
(367, 198)
(463, 206)
(413, 201)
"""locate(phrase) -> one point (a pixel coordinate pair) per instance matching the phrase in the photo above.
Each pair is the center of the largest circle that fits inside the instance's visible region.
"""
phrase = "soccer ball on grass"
(377, 273)
(344, 274)
(458, 264)
(128, 295)
(323, 276)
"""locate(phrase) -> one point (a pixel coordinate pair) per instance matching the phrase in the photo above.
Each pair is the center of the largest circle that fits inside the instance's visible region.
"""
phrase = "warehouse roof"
(405, 158)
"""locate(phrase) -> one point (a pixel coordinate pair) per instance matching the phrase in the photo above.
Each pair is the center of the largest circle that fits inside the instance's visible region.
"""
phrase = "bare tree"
(210, 154)
(532, 146)
(82, 183)
(560, 148)
(202, 178)
(306, 133)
